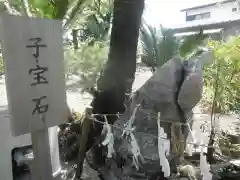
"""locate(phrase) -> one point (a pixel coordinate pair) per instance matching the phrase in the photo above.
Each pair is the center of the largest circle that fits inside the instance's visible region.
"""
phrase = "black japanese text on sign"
(38, 73)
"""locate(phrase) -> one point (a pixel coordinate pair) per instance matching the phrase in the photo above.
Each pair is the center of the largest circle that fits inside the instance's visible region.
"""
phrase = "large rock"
(169, 91)
(159, 93)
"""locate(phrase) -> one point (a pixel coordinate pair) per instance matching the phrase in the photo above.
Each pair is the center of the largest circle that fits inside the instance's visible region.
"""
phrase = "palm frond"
(148, 49)
(191, 43)
(73, 10)
(158, 45)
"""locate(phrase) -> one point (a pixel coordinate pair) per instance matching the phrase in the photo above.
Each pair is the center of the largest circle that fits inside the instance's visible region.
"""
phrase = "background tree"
(98, 24)
(86, 63)
(158, 45)
(66, 10)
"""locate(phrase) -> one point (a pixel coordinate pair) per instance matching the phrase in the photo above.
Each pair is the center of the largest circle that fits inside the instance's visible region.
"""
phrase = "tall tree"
(123, 45)
(119, 73)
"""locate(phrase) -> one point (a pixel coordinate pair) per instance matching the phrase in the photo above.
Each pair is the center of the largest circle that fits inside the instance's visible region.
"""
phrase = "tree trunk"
(119, 73)
(121, 66)
(75, 39)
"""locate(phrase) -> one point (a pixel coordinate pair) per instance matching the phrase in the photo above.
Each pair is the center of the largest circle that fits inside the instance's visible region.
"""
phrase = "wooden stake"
(42, 169)
(86, 127)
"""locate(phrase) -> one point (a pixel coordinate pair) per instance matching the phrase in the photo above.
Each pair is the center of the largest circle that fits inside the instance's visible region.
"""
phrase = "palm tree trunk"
(119, 73)
(121, 65)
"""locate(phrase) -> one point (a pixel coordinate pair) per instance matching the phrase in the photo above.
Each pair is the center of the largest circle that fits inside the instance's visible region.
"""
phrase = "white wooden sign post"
(33, 57)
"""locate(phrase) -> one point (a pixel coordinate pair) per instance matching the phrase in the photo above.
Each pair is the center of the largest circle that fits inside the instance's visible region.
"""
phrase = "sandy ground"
(78, 101)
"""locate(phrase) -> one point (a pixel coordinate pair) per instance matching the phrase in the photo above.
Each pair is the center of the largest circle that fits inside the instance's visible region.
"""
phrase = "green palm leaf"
(158, 45)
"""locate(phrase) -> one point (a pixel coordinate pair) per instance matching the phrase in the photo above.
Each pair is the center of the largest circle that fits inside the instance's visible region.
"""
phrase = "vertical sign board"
(34, 67)
(35, 81)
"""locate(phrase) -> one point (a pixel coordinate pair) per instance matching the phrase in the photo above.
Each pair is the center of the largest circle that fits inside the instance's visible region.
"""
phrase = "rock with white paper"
(164, 92)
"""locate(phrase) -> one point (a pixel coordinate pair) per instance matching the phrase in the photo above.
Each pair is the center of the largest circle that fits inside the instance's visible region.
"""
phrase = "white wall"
(217, 12)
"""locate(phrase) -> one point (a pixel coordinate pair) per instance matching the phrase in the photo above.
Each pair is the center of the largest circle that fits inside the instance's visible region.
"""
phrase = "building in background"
(219, 20)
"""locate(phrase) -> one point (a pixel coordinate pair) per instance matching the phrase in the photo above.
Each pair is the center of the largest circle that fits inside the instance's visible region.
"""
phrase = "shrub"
(223, 76)
(86, 62)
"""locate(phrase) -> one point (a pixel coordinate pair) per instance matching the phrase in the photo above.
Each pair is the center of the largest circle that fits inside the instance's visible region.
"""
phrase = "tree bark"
(121, 66)
(75, 39)
(119, 73)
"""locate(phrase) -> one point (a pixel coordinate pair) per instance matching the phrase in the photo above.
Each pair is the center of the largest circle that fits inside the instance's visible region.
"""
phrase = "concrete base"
(8, 142)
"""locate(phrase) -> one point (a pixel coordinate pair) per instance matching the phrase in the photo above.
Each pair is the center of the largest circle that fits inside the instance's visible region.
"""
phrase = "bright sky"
(167, 12)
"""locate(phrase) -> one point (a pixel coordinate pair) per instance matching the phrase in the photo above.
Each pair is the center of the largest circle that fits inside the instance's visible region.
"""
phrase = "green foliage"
(91, 17)
(190, 45)
(98, 22)
(224, 75)
(42, 8)
(87, 62)
(77, 13)
(167, 46)
(158, 45)
(53, 9)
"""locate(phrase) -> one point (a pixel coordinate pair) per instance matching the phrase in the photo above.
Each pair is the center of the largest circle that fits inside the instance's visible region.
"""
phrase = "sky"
(167, 12)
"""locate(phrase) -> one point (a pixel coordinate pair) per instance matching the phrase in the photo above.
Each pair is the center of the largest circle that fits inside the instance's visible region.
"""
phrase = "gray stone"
(168, 91)
(191, 89)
